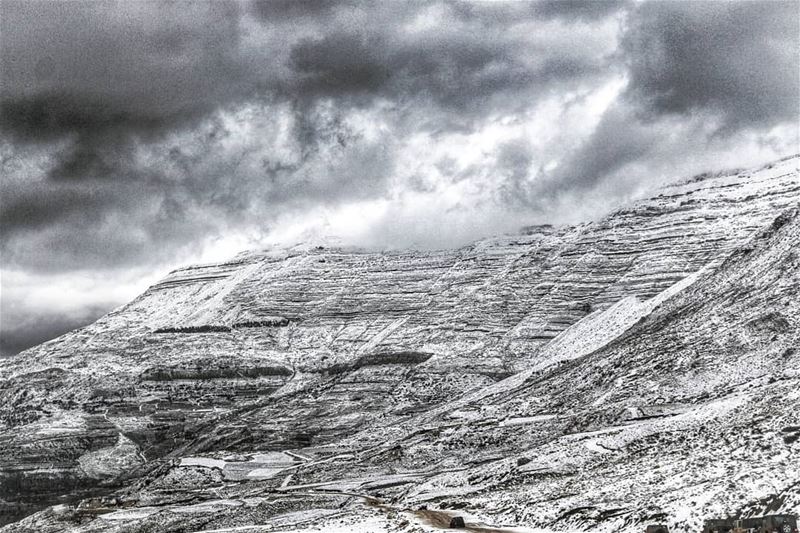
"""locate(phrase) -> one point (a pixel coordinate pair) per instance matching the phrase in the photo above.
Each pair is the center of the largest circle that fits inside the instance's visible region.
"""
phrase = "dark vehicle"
(457, 522)
(776, 523)
(657, 528)
(718, 525)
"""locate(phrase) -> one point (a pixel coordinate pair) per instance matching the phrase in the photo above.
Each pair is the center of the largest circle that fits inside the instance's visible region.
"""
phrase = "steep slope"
(297, 349)
(688, 413)
(691, 413)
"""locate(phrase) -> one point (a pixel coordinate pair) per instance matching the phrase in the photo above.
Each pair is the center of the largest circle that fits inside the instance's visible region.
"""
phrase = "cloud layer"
(139, 135)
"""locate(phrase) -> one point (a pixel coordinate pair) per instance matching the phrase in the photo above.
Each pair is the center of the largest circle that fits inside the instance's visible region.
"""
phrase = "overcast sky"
(137, 137)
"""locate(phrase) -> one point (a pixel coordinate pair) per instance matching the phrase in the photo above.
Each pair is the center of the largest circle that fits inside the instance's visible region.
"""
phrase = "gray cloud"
(565, 10)
(97, 85)
(737, 60)
(104, 72)
(133, 133)
(38, 327)
(577, 9)
(104, 75)
(85, 67)
(700, 68)
(281, 10)
(617, 140)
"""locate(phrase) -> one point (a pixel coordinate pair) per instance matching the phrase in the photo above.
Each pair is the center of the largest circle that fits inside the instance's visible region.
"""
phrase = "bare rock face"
(590, 377)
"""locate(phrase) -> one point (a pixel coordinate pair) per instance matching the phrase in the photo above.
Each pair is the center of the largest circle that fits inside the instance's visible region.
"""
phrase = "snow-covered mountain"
(640, 368)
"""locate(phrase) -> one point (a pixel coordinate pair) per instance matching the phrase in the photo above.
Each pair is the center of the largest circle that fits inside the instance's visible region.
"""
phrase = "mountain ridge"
(285, 353)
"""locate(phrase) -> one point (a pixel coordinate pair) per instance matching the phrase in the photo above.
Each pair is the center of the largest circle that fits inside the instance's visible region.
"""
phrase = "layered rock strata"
(328, 352)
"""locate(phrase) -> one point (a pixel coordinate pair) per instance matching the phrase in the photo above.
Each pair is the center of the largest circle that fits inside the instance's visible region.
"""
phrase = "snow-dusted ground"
(639, 369)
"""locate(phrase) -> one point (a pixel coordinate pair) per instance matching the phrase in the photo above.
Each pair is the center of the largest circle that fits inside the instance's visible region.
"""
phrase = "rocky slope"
(635, 368)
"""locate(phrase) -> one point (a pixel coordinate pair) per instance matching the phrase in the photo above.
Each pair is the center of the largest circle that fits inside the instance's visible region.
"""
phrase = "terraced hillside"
(535, 379)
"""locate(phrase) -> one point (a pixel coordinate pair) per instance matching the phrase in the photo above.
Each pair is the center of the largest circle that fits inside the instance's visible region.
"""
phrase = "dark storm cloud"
(738, 60)
(577, 9)
(462, 63)
(94, 69)
(133, 131)
(38, 327)
(340, 64)
(83, 67)
(281, 10)
(35, 206)
(96, 84)
(102, 74)
(714, 68)
(566, 10)
(452, 71)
